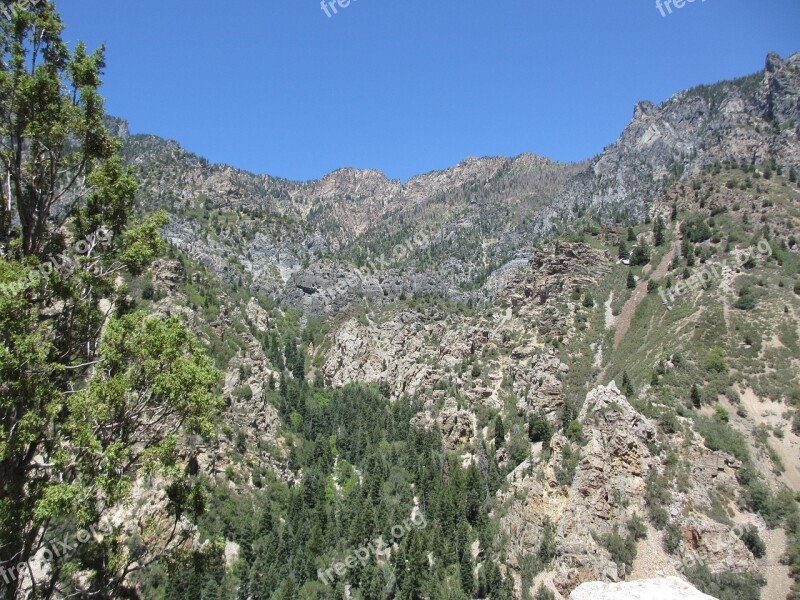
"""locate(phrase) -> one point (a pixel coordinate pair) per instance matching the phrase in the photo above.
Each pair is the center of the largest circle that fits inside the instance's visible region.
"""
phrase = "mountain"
(297, 240)
(575, 372)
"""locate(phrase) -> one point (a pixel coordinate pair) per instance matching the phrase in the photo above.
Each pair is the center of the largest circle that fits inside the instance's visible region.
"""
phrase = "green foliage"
(630, 281)
(715, 361)
(90, 397)
(726, 585)
(499, 431)
(745, 301)
(547, 547)
(695, 397)
(621, 549)
(574, 431)
(540, 430)
(719, 435)
(696, 230)
(672, 538)
(641, 254)
(754, 542)
(636, 528)
(362, 464)
(565, 471)
(659, 230)
(627, 386)
(543, 593)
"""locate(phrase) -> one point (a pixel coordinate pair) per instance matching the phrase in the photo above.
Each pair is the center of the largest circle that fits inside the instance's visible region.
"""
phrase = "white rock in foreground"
(670, 588)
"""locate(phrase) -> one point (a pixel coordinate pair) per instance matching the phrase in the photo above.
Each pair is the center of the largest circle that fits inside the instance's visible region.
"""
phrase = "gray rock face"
(671, 588)
(753, 119)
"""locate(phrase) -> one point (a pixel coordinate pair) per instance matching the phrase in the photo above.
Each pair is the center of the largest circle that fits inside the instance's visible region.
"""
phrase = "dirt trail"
(626, 316)
(778, 576)
(651, 559)
(788, 447)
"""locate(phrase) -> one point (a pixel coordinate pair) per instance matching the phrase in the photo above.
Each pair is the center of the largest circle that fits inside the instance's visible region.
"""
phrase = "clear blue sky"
(408, 86)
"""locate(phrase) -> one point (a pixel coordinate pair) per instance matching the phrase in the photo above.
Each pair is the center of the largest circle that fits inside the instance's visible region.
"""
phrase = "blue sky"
(408, 86)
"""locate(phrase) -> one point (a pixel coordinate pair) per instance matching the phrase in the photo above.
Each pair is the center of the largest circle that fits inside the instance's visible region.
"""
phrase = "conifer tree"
(88, 396)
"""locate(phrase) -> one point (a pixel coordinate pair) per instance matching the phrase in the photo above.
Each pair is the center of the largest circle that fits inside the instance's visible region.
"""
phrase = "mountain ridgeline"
(295, 240)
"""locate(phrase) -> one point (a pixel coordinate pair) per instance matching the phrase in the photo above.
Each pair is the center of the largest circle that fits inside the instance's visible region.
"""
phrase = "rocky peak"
(642, 108)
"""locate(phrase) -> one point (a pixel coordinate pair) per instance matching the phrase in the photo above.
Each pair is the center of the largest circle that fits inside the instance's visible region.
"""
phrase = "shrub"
(726, 585)
(622, 550)
(547, 549)
(754, 542)
(696, 230)
(657, 496)
(637, 528)
(715, 361)
(672, 538)
(565, 472)
(543, 593)
(719, 435)
(540, 430)
(575, 431)
(627, 386)
(243, 392)
(745, 301)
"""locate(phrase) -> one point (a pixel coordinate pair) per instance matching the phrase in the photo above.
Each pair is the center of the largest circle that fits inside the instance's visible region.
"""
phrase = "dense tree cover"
(91, 392)
(364, 470)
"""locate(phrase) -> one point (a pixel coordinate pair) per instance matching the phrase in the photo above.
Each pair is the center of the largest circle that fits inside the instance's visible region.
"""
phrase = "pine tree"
(631, 281)
(627, 386)
(466, 574)
(547, 547)
(695, 396)
(499, 431)
(641, 254)
(658, 231)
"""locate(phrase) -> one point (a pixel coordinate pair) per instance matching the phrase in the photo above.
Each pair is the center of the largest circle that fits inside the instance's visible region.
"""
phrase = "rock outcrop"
(671, 588)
